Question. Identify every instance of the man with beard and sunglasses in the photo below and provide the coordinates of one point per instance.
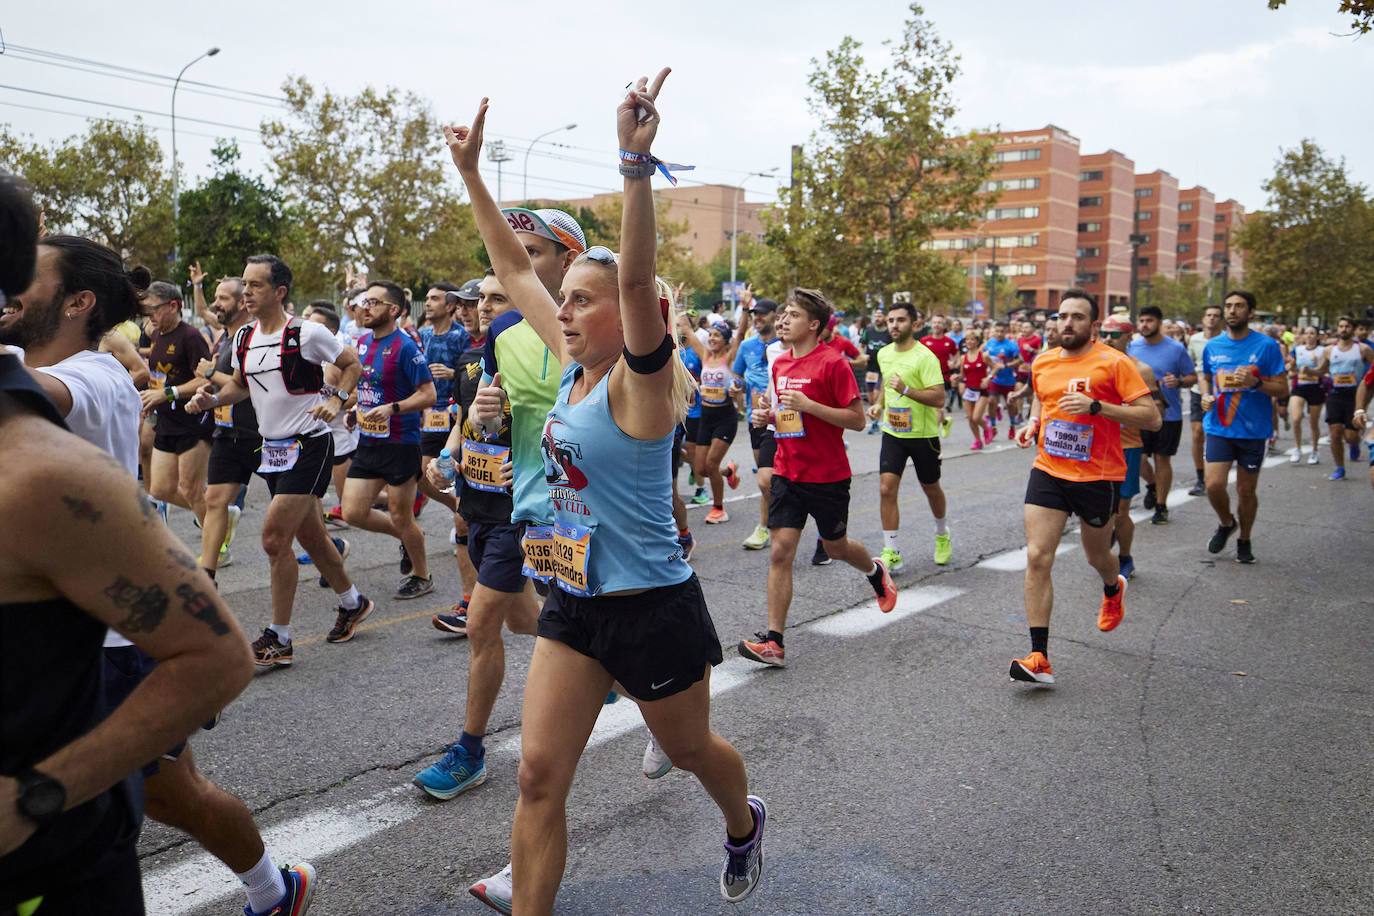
(1084, 392)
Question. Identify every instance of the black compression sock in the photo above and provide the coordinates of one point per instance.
(875, 579)
(1111, 590)
(738, 841)
(209, 572)
(1040, 640)
(775, 636)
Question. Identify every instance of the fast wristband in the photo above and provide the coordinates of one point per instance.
(667, 168)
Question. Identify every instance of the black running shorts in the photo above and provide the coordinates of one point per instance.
(656, 643)
(1093, 501)
(717, 423)
(1340, 406)
(397, 463)
(497, 556)
(233, 459)
(1162, 441)
(923, 453)
(1312, 393)
(309, 476)
(790, 502)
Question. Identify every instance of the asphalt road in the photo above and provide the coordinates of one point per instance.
(1210, 755)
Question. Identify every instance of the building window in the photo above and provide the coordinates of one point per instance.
(1090, 175)
(1089, 252)
(1221, 217)
(1143, 262)
(1145, 239)
(1087, 278)
(1144, 215)
(1184, 248)
(1185, 227)
(1016, 155)
(1014, 213)
(1144, 192)
(1018, 270)
(1185, 206)
(1219, 237)
(1090, 201)
(1012, 184)
(1090, 227)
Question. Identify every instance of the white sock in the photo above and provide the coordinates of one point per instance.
(941, 526)
(283, 632)
(890, 540)
(264, 884)
(350, 599)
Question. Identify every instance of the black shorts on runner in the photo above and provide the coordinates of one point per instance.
(497, 556)
(395, 462)
(923, 453)
(431, 444)
(1094, 501)
(233, 459)
(756, 436)
(1340, 406)
(1246, 453)
(690, 425)
(717, 423)
(178, 444)
(309, 476)
(343, 459)
(1195, 411)
(768, 449)
(1311, 392)
(679, 434)
(791, 501)
(122, 669)
(1163, 441)
(656, 643)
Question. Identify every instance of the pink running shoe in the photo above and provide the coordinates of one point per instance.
(977, 444)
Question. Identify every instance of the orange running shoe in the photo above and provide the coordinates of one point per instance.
(887, 594)
(765, 651)
(1034, 668)
(716, 516)
(1113, 608)
(732, 475)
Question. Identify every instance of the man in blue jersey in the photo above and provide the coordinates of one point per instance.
(395, 388)
(1173, 367)
(443, 339)
(1242, 372)
(1006, 355)
(751, 364)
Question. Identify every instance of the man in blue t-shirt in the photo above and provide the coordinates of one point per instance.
(1242, 372)
(1173, 367)
(1006, 354)
(751, 364)
(395, 388)
(444, 341)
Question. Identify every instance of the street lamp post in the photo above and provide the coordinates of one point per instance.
(1136, 239)
(734, 230)
(525, 186)
(496, 152)
(176, 188)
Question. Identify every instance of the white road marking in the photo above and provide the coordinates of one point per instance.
(1016, 560)
(866, 617)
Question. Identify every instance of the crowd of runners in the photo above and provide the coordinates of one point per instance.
(549, 405)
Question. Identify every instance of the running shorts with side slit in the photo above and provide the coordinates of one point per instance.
(655, 643)
(791, 501)
(309, 476)
(923, 453)
(496, 554)
(233, 459)
(1246, 453)
(178, 443)
(397, 463)
(1094, 501)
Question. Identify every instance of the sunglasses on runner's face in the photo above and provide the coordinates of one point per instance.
(1112, 334)
(602, 255)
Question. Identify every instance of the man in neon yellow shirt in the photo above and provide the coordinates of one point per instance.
(913, 391)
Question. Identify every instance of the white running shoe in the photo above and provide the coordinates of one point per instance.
(1312, 458)
(656, 763)
(235, 513)
(1295, 456)
(496, 891)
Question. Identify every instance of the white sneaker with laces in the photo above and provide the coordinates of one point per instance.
(496, 891)
(1295, 456)
(1312, 458)
(656, 763)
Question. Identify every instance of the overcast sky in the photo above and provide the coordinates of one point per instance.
(1209, 91)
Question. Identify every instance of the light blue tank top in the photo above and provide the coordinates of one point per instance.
(612, 498)
(1347, 367)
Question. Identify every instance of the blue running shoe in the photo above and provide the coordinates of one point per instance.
(457, 771)
(1338, 474)
(1127, 570)
(1354, 455)
(744, 864)
(300, 888)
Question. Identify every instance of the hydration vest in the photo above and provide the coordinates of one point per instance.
(299, 375)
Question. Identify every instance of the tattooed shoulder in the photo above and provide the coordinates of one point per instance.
(82, 508)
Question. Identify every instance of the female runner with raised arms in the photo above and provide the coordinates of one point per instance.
(627, 607)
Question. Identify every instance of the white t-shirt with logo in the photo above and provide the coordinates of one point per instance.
(281, 414)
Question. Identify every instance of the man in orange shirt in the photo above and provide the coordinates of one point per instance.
(1084, 393)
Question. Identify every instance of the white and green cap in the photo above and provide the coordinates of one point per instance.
(554, 225)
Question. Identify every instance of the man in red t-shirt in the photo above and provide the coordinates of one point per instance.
(947, 351)
(815, 399)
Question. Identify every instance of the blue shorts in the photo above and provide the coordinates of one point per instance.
(123, 668)
(1130, 487)
(496, 553)
(1246, 453)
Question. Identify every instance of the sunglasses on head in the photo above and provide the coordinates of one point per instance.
(601, 255)
(1112, 334)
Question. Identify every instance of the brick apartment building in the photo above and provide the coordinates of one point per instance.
(708, 210)
(1065, 218)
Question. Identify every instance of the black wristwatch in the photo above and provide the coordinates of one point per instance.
(1095, 408)
(41, 798)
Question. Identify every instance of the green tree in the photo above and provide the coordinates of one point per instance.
(1310, 249)
(366, 180)
(229, 217)
(108, 184)
(881, 172)
(1361, 13)
(1184, 296)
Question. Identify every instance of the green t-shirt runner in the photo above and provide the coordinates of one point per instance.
(918, 368)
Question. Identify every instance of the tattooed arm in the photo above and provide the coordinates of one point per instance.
(101, 548)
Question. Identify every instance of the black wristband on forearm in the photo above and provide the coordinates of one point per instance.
(652, 362)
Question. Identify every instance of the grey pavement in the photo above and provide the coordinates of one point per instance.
(1210, 755)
